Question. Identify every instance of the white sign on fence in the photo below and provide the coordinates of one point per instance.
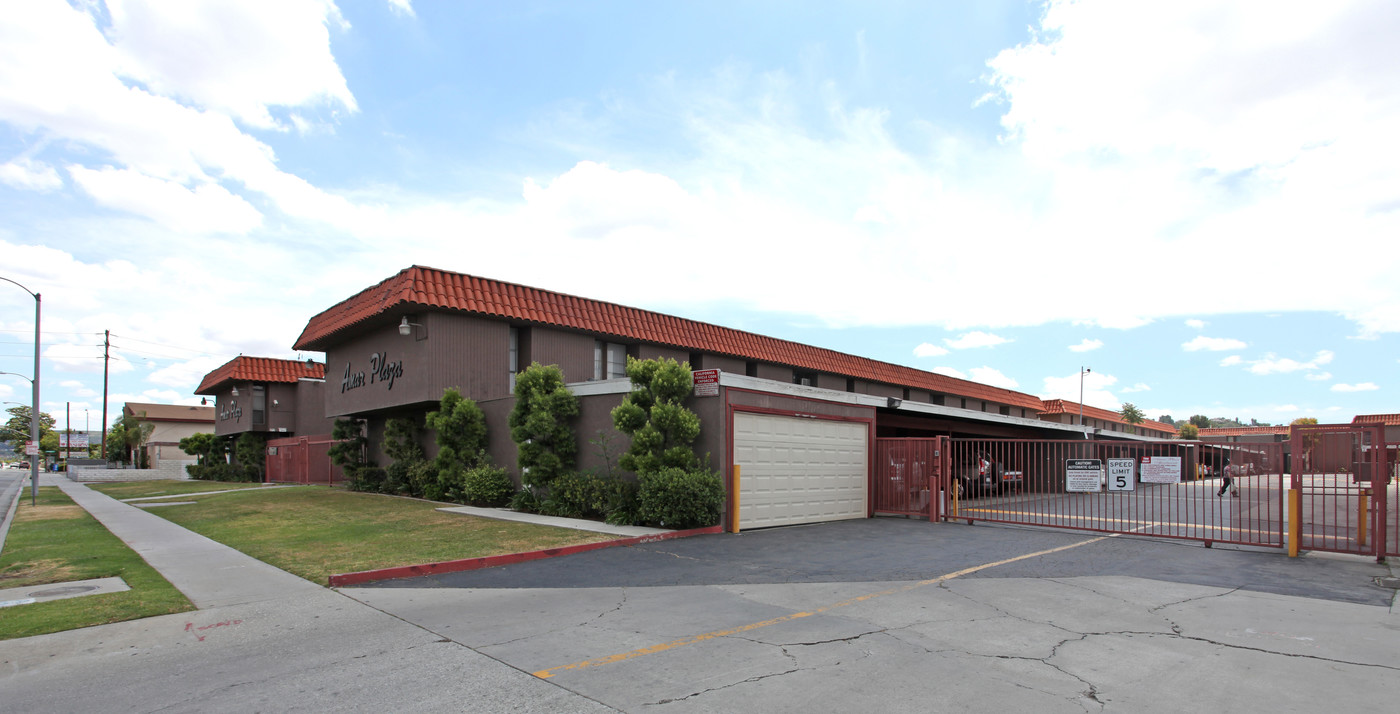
(706, 382)
(1120, 475)
(1161, 469)
(1083, 474)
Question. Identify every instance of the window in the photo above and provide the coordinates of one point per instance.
(1005, 411)
(750, 369)
(963, 402)
(259, 404)
(609, 360)
(514, 356)
(806, 379)
(850, 384)
(935, 399)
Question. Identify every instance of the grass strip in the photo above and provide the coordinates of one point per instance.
(57, 541)
(315, 532)
(172, 487)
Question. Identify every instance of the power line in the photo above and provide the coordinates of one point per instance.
(160, 344)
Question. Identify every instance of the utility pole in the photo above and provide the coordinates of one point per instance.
(106, 356)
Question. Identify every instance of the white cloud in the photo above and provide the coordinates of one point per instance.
(994, 377)
(1273, 365)
(949, 371)
(1097, 390)
(1139, 387)
(1213, 344)
(185, 375)
(1196, 324)
(1361, 387)
(1231, 360)
(402, 7)
(927, 349)
(1318, 376)
(972, 340)
(30, 175)
(206, 208)
(1086, 345)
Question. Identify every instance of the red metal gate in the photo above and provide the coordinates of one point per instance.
(909, 476)
(1345, 500)
(302, 459)
(1164, 489)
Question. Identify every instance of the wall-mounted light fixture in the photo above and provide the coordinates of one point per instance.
(406, 327)
(235, 391)
(274, 402)
(894, 402)
(203, 401)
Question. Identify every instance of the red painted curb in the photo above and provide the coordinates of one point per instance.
(491, 561)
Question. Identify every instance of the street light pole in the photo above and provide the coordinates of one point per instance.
(1082, 371)
(34, 410)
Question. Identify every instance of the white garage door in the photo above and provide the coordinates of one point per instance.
(799, 470)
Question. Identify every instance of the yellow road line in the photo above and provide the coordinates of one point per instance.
(673, 644)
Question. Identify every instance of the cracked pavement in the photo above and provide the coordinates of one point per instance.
(847, 616)
(1115, 625)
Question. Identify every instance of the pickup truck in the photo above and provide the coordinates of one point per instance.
(981, 475)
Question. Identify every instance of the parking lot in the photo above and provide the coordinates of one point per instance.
(903, 615)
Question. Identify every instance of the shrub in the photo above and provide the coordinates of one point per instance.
(679, 498)
(485, 485)
(525, 501)
(395, 481)
(424, 481)
(220, 471)
(348, 451)
(365, 478)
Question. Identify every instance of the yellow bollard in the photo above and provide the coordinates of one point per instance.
(734, 514)
(1295, 521)
(1363, 510)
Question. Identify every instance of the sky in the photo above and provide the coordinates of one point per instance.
(1197, 201)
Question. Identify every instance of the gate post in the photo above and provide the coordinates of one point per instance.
(1295, 519)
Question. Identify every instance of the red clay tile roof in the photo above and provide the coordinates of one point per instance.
(1065, 406)
(260, 369)
(169, 412)
(1386, 419)
(418, 287)
(1245, 431)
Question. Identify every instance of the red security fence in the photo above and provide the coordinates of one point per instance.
(302, 459)
(1165, 489)
(1330, 488)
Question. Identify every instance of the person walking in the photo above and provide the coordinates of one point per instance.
(1227, 482)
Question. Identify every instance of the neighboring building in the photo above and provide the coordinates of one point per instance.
(277, 397)
(1246, 434)
(1391, 422)
(170, 423)
(801, 419)
(1101, 420)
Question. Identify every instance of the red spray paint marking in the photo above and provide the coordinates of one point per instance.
(190, 627)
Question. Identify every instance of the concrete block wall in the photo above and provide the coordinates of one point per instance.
(166, 469)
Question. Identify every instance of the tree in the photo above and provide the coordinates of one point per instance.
(1189, 432)
(1132, 415)
(16, 430)
(202, 446)
(250, 450)
(1166, 419)
(654, 415)
(127, 436)
(539, 424)
(1200, 421)
(460, 429)
(348, 451)
(1304, 421)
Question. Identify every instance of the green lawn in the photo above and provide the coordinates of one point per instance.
(316, 532)
(141, 489)
(56, 541)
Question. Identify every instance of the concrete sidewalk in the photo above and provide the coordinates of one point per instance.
(262, 640)
(210, 574)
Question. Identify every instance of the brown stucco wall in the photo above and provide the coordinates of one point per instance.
(831, 381)
(571, 351)
(775, 372)
(732, 365)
